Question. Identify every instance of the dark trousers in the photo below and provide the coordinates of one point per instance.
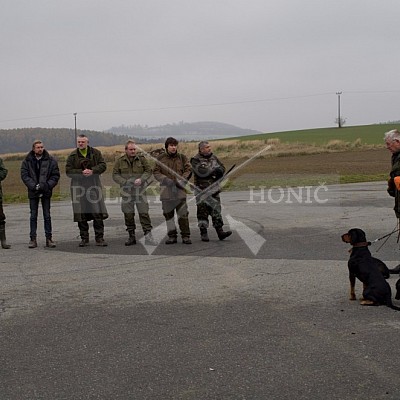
(98, 226)
(34, 207)
(2, 216)
(180, 206)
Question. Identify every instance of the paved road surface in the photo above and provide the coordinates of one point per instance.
(262, 315)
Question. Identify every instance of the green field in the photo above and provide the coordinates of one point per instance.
(369, 134)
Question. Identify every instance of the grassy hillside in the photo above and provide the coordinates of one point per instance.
(368, 134)
(308, 157)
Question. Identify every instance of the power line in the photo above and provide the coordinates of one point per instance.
(200, 105)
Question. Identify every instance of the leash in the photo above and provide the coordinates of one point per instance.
(387, 236)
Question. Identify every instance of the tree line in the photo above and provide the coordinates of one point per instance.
(21, 139)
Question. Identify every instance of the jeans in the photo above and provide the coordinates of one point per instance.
(34, 207)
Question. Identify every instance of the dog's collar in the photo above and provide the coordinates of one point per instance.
(361, 244)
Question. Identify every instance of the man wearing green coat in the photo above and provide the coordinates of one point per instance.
(84, 166)
(3, 174)
(132, 172)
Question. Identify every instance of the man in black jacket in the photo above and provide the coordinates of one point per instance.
(208, 171)
(40, 174)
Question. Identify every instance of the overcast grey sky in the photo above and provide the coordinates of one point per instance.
(270, 65)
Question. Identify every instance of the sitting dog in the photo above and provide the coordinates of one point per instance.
(362, 266)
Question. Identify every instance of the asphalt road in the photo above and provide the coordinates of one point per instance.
(262, 315)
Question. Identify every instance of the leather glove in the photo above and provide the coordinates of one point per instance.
(218, 172)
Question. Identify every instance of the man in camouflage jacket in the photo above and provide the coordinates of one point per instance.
(208, 170)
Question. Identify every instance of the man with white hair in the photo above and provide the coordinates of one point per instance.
(392, 140)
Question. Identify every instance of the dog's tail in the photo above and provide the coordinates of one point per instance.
(391, 305)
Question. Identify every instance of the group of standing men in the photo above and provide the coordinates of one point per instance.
(132, 171)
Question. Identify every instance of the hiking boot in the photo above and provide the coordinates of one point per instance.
(101, 243)
(131, 239)
(186, 240)
(32, 243)
(50, 243)
(221, 234)
(84, 242)
(149, 239)
(203, 235)
(171, 240)
(4, 244)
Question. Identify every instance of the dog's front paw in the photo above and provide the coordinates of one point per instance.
(353, 297)
(365, 302)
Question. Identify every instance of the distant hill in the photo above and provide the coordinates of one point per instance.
(183, 131)
(20, 140)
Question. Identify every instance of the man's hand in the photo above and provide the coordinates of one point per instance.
(87, 172)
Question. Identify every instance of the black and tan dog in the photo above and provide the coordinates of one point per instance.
(366, 268)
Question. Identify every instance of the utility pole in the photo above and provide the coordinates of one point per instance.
(76, 132)
(339, 117)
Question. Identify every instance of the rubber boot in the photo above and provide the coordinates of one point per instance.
(203, 235)
(4, 244)
(131, 239)
(221, 234)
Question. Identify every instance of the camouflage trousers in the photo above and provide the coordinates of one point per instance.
(209, 207)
